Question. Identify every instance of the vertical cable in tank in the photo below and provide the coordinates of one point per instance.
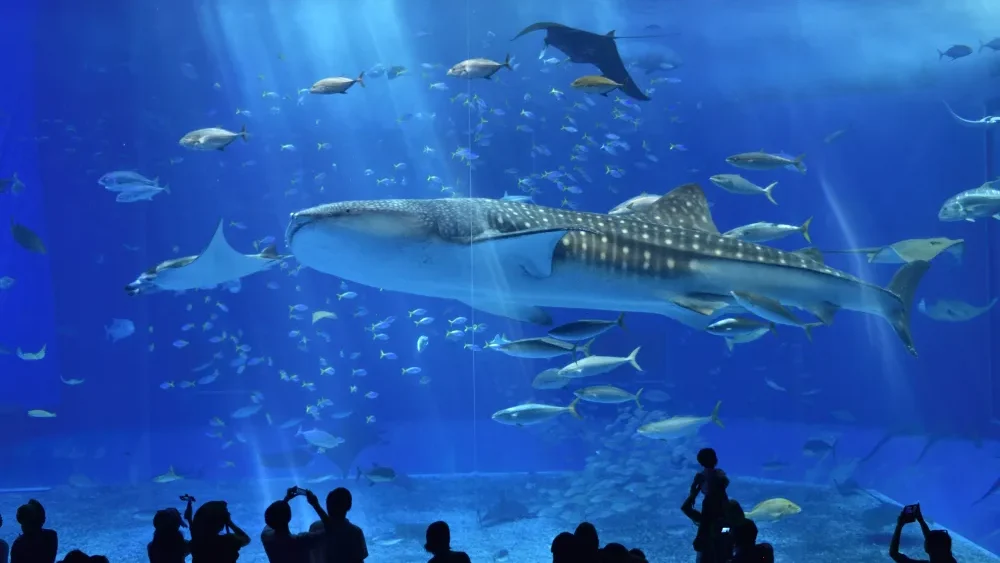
(472, 262)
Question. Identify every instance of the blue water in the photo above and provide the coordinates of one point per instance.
(90, 91)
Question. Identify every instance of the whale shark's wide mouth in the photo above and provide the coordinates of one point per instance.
(295, 223)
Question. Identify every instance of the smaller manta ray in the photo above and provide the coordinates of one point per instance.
(986, 122)
(910, 250)
(505, 511)
(216, 265)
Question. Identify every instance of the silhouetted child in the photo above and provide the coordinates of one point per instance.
(713, 483)
(168, 545)
(345, 542)
(280, 544)
(588, 543)
(4, 547)
(439, 545)
(35, 544)
(638, 556)
(710, 520)
(208, 543)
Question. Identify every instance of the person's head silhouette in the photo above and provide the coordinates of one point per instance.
(278, 516)
(937, 544)
(438, 538)
(338, 502)
(707, 458)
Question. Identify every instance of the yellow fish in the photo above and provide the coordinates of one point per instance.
(773, 509)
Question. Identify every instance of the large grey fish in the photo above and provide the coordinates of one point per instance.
(219, 263)
(211, 139)
(509, 259)
(760, 160)
(978, 203)
(336, 85)
(479, 68)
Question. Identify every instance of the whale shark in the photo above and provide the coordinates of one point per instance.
(513, 258)
(218, 264)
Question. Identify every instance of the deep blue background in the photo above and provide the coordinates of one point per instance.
(112, 72)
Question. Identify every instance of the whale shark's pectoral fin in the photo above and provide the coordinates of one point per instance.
(522, 313)
(531, 250)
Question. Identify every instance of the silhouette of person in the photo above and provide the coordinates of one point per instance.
(638, 555)
(4, 546)
(710, 519)
(937, 543)
(588, 543)
(208, 543)
(439, 545)
(98, 559)
(35, 544)
(564, 548)
(345, 542)
(169, 545)
(280, 544)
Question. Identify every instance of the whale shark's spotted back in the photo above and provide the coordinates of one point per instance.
(669, 238)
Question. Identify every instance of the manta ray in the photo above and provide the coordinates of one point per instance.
(986, 122)
(504, 511)
(512, 259)
(216, 265)
(909, 250)
(591, 48)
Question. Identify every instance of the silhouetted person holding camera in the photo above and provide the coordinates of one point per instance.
(169, 545)
(280, 544)
(35, 544)
(344, 541)
(208, 542)
(937, 543)
(710, 519)
(439, 545)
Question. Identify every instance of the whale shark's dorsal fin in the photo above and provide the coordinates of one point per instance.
(684, 207)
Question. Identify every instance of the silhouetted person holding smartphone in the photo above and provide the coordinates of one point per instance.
(937, 543)
(169, 544)
(280, 544)
(208, 542)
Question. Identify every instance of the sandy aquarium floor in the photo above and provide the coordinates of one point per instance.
(831, 528)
